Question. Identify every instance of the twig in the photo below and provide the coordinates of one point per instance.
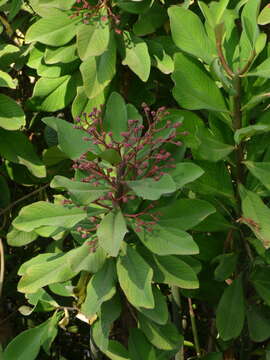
(219, 33)
(10, 206)
(194, 328)
(176, 309)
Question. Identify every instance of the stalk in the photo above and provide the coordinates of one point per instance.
(177, 319)
(194, 328)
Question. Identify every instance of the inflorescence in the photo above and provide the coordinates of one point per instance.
(138, 155)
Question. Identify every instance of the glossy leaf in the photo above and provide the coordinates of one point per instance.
(231, 311)
(135, 277)
(139, 347)
(11, 115)
(185, 173)
(111, 232)
(20, 238)
(116, 116)
(152, 189)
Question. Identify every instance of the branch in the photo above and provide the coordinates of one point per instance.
(219, 30)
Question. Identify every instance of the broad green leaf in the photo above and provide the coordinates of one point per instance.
(215, 223)
(57, 70)
(231, 311)
(194, 89)
(256, 215)
(6, 80)
(109, 312)
(43, 213)
(150, 20)
(258, 318)
(166, 240)
(93, 39)
(249, 131)
(82, 104)
(152, 189)
(115, 119)
(159, 314)
(185, 173)
(189, 34)
(56, 30)
(20, 238)
(262, 70)
(139, 347)
(249, 20)
(215, 181)
(81, 193)
(59, 268)
(23, 153)
(226, 266)
(135, 277)
(53, 155)
(97, 72)
(184, 214)
(11, 115)
(260, 281)
(160, 58)
(111, 232)
(264, 16)
(68, 136)
(137, 56)
(52, 94)
(261, 170)
(5, 193)
(177, 272)
(100, 288)
(116, 351)
(164, 337)
(27, 344)
(45, 8)
(60, 54)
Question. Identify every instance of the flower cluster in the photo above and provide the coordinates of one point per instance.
(138, 153)
(92, 13)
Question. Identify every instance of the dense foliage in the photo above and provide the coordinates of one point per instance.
(134, 179)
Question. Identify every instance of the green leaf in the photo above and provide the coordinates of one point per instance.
(247, 132)
(58, 268)
(258, 318)
(93, 39)
(189, 34)
(166, 240)
(135, 277)
(262, 70)
(100, 288)
(264, 16)
(6, 80)
(260, 280)
(137, 57)
(150, 20)
(81, 193)
(27, 344)
(256, 215)
(177, 272)
(249, 20)
(61, 54)
(184, 214)
(43, 213)
(134, 7)
(97, 72)
(139, 347)
(23, 153)
(185, 173)
(227, 266)
(159, 314)
(152, 189)
(82, 104)
(111, 232)
(194, 89)
(116, 351)
(55, 30)
(261, 170)
(109, 312)
(67, 136)
(161, 59)
(164, 337)
(116, 116)
(20, 238)
(231, 311)
(53, 156)
(52, 94)
(11, 115)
